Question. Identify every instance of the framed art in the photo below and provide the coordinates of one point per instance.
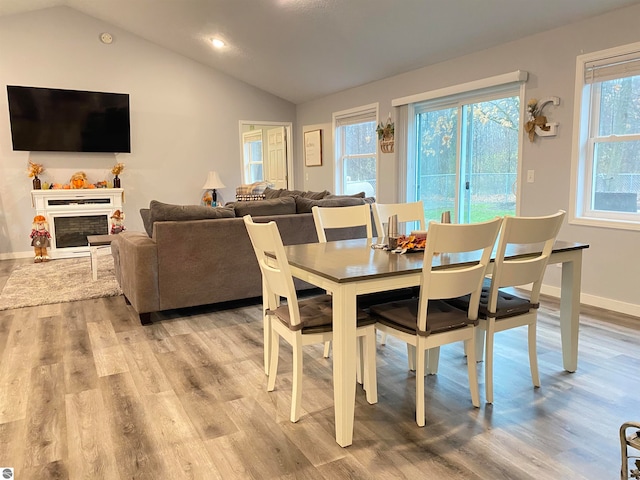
(313, 148)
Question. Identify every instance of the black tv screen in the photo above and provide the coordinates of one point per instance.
(54, 120)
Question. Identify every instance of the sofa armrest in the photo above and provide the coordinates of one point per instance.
(135, 258)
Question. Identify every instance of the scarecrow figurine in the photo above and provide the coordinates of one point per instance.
(117, 222)
(40, 238)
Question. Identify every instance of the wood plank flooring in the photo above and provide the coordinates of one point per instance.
(87, 392)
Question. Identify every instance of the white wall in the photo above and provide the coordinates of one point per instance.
(611, 268)
(184, 116)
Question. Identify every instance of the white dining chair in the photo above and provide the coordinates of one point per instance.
(300, 322)
(427, 322)
(503, 309)
(411, 212)
(325, 218)
(329, 218)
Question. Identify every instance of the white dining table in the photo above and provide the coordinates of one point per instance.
(349, 268)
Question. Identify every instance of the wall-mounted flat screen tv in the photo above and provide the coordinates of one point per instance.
(54, 120)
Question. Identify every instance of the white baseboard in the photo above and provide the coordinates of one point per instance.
(15, 255)
(595, 301)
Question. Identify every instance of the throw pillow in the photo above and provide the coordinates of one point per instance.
(271, 192)
(283, 192)
(304, 205)
(355, 195)
(267, 207)
(315, 195)
(166, 212)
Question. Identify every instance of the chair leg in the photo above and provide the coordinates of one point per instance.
(420, 367)
(383, 338)
(370, 378)
(473, 374)
(327, 347)
(360, 367)
(266, 327)
(533, 355)
(488, 359)
(433, 359)
(411, 357)
(296, 393)
(273, 362)
(480, 334)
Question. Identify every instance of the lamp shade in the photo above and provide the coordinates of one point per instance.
(213, 182)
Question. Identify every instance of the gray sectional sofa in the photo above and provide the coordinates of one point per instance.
(195, 255)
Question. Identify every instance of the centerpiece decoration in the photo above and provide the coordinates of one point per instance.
(386, 135)
(117, 170)
(33, 171)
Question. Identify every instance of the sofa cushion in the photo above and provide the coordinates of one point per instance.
(261, 208)
(145, 213)
(304, 205)
(159, 212)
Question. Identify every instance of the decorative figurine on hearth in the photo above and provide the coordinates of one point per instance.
(117, 222)
(78, 180)
(40, 238)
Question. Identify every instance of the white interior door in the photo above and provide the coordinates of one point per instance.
(276, 171)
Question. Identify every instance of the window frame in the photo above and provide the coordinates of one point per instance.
(366, 113)
(249, 137)
(586, 120)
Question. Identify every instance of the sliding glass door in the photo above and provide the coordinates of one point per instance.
(466, 157)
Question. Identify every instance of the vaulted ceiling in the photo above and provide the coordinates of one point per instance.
(305, 49)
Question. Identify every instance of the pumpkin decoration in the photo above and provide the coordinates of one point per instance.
(78, 180)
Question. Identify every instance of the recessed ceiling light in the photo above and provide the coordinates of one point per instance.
(106, 37)
(217, 42)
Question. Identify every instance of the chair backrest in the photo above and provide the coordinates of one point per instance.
(522, 231)
(407, 212)
(341, 217)
(475, 240)
(274, 266)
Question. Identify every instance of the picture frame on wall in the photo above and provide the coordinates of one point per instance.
(313, 148)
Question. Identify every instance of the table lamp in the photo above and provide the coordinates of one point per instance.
(213, 182)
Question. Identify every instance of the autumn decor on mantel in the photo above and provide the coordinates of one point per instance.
(117, 170)
(33, 171)
(386, 136)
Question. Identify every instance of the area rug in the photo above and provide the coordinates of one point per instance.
(58, 281)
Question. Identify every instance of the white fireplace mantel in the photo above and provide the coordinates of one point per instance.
(57, 205)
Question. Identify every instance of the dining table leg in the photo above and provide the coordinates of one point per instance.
(344, 361)
(570, 309)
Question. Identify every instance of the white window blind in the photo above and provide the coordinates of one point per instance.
(619, 66)
(343, 120)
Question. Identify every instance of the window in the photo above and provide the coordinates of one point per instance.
(356, 151)
(465, 154)
(606, 158)
(252, 146)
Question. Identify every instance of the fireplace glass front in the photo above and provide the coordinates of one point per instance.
(73, 231)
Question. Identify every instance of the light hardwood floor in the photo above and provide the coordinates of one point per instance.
(87, 392)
